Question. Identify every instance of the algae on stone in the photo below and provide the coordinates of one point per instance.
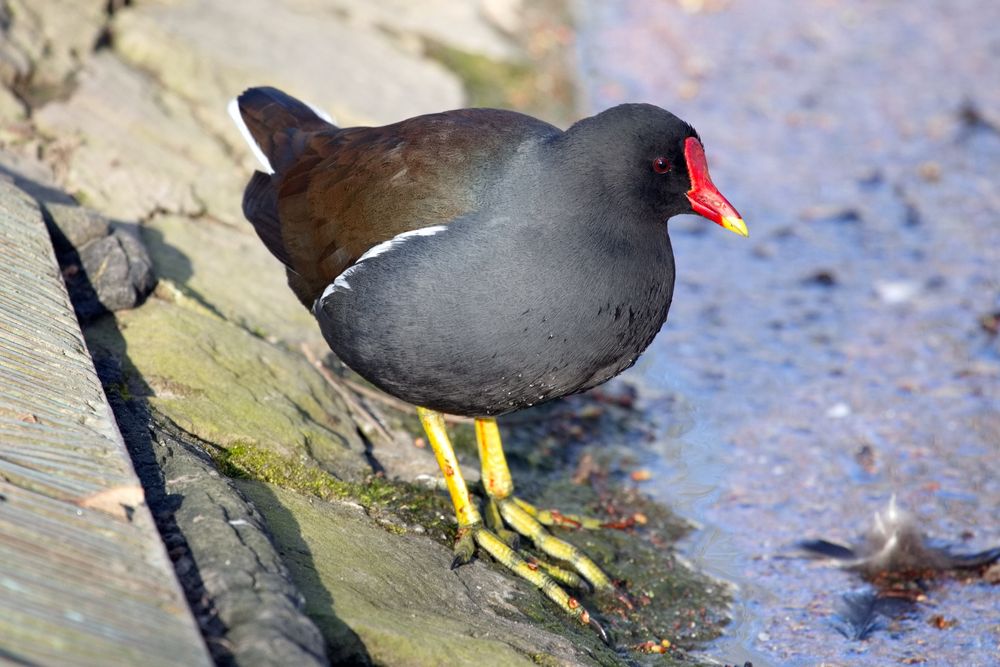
(536, 78)
(397, 506)
(395, 596)
(220, 383)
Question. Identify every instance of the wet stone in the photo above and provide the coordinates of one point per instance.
(109, 274)
(72, 226)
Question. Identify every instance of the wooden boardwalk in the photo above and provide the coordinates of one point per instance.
(84, 577)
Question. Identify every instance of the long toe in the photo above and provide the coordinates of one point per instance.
(563, 575)
(534, 573)
(553, 517)
(527, 525)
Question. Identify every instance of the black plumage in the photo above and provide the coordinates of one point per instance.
(533, 262)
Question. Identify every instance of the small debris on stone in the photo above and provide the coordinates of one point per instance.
(930, 171)
(641, 475)
(941, 623)
(865, 456)
(118, 501)
(585, 469)
(990, 323)
(653, 646)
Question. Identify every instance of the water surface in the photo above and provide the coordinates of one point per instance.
(836, 357)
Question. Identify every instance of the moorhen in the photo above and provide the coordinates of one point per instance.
(479, 261)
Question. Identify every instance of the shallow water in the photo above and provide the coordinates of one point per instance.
(837, 357)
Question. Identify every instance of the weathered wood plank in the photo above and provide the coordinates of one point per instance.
(84, 578)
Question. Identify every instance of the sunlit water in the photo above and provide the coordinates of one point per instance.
(860, 142)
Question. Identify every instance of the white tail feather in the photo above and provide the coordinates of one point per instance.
(319, 112)
(234, 111)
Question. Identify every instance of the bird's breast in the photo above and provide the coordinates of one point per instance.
(482, 324)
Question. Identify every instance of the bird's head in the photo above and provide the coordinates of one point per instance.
(652, 159)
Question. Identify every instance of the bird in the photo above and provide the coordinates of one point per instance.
(476, 262)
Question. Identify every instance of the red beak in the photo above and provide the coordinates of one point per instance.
(705, 198)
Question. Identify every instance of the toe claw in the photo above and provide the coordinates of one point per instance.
(592, 622)
(465, 548)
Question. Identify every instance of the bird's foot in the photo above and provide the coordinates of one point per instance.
(502, 513)
(545, 577)
(553, 517)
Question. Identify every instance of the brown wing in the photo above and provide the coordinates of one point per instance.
(348, 190)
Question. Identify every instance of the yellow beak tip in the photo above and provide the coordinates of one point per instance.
(736, 225)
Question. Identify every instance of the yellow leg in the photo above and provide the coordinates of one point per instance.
(499, 487)
(465, 510)
(496, 475)
(471, 528)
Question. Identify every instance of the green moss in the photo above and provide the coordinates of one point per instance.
(545, 660)
(121, 389)
(663, 599)
(540, 82)
(389, 502)
(387, 596)
(245, 460)
(219, 383)
(488, 82)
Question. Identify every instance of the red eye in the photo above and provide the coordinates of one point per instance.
(661, 165)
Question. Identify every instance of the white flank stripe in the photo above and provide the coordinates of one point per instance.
(234, 111)
(385, 246)
(341, 283)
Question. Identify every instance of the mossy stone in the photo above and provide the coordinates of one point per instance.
(392, 598)
(224, 385)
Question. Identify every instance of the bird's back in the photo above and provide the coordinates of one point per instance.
(334, 193)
